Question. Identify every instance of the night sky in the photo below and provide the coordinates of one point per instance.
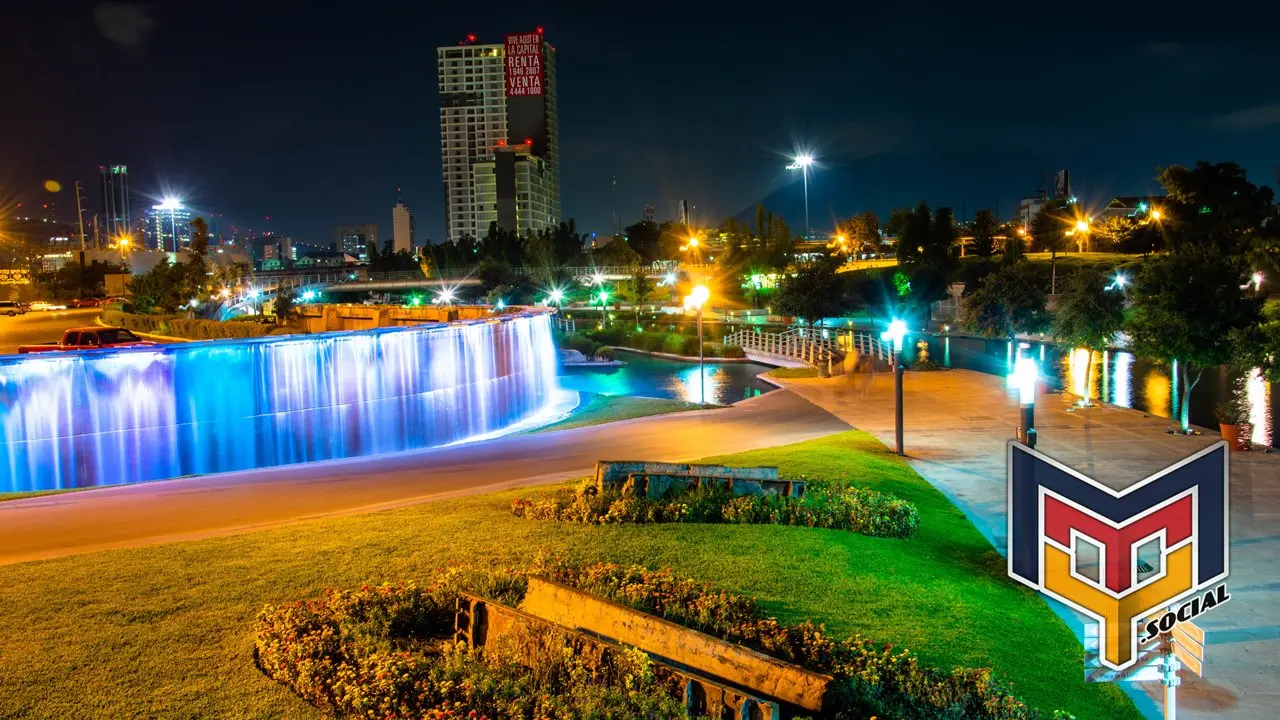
(311, 117)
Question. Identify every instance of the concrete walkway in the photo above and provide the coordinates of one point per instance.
(957, 425)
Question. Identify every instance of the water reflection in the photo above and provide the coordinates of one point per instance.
(646, 376)
(1122, 379)
(1258, 392)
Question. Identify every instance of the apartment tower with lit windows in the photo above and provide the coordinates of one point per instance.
(499, 139)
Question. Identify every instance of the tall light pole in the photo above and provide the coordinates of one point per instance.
(897, 330)
(802, 163)
(696, 299)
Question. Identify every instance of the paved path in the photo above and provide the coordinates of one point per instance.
(40, 327)
(56, 525)
(957, 425)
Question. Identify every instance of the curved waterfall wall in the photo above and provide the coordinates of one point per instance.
(109, 417)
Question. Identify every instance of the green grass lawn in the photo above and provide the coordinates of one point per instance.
(166, 631)
(597, 409)
(36, 493)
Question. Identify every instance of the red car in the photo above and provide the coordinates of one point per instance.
(88, 338)
(86, 303)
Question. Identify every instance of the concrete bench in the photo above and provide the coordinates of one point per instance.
(677, 645)
(479, 621)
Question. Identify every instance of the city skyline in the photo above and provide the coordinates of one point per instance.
(887, 128)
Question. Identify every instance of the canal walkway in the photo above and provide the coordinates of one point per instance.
(957, 424)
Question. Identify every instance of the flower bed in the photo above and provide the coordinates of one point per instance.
(831, 506)
(383, 652)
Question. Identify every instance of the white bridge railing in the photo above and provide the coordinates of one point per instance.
(810, 345)
(564, 324)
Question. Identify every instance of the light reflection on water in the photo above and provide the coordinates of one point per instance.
(1121, 379)
(645, 376)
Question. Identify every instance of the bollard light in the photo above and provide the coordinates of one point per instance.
(896, 331)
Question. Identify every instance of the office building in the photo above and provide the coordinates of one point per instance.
(168, 226)
(354, 240)
(272, 252)
(115, 215)
(499, 137)
(401, 225)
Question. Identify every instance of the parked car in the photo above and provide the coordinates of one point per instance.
(12, 307)
(88, 338)
(86, 303)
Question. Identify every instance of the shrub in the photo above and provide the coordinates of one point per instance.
(179, 326)
(384, 652)
(856, 509)
(381, 652)
(869, 680)
(606, 353)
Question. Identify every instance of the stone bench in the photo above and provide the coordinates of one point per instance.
(674, 644)
(478, 622)
(655, 480)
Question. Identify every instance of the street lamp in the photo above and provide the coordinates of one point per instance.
(1118, 283)
(897, 330)
(802, 163)
(696, 299)
(555, 297)
(1025, 376)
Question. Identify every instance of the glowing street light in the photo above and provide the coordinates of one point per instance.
(1155, 215)
(597, 279)
(1026, 375)
(696, 299)
(896, 331)
(555, 297)
(446, 297)
(1118, 283)
(802, 163)
(1257, 279)
(1082, 226)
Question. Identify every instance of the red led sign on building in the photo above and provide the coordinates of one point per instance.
(524, 64)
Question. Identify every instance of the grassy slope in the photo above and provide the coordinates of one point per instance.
(166, 631)
(599, 409)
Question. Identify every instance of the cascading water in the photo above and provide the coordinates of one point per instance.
(121, 416)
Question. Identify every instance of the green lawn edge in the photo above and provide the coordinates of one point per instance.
(166, 631)
(598, 409)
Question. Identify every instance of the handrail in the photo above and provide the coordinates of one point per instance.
(808, 345)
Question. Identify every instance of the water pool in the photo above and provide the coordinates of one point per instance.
(648, 376)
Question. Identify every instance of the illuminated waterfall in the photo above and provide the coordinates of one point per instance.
(120, 416)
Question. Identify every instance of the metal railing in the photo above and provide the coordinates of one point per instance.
(564, 324)
(810, 345)
(787, 344)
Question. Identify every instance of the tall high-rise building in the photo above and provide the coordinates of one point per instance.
(115, 200)
(354, 240)
(401, 225)
(499, 137)
(168, 226)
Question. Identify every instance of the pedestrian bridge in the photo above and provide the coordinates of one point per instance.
(808, 347)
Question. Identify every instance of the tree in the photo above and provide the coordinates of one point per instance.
(861, 233)
(985, 228)
(540, 255)
(617, 253)
(1188, 309)
(74, 280)
(645, 238)
(1050, 226)
(813, 293)
(1008, 302)
(940, 248)
(637, 289)
(914, 235)
(1089, 314)
(1215, 206)
(284, 305)
(199, 237)
(898, 220)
